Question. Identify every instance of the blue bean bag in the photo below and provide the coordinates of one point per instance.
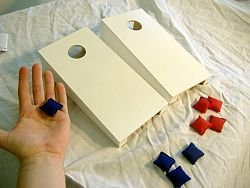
(164, 162)
(192, 153)
(51, 107)
(178, 177)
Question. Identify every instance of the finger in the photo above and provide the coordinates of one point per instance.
(49, 85)
(37, 84)
(23, 90)
(3, 138)
(62, 97)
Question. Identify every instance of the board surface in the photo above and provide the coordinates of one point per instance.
(103, 85)
(152, 53)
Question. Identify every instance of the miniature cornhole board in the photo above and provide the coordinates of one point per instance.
(109, 91)
(156, 56)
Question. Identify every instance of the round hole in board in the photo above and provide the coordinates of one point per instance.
(77, 51)
(134, 25)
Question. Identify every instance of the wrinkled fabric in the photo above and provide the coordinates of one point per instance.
(215, 32)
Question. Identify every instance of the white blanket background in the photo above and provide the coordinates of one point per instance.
(216, 32)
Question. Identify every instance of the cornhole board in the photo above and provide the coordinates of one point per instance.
(156, 56)
(109, 91)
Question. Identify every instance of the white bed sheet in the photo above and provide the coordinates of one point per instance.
(216, 32)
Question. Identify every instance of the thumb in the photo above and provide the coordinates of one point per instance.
(3, 138)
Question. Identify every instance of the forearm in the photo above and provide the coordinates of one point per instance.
(42, 171)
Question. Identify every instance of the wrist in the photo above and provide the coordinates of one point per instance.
(41, 170)
(42, 158)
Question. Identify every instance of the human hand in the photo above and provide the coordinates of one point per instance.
(36, 133)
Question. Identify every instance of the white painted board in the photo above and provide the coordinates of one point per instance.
(109, 91)
(152, 53)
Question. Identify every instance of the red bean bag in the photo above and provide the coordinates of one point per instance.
(217, 123)
(201, 105)
(200, 125)
(214, 104)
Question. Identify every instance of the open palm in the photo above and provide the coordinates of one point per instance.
(35, 132)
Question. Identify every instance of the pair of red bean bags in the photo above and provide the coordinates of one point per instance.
(208, 103)
(214, 123)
